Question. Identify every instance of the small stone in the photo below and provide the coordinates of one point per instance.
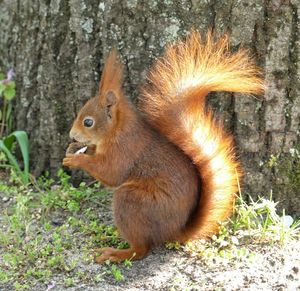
(290, 277)
(235, 240)
(224, 243)
(287, 221)
(5, 199)
(55, 187)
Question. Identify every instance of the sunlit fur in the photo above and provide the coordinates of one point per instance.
(174, 103)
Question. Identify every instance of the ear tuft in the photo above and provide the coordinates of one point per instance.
(112, 75)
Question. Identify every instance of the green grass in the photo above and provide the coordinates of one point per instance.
(50, 229)
(254, 223)
(7, 145)
(261, 221)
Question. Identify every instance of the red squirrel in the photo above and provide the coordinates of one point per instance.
(173, 166)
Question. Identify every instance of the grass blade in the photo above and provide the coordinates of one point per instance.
(10, 156)
(22, 138)
(6, 146)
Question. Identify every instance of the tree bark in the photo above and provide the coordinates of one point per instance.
(57, 49)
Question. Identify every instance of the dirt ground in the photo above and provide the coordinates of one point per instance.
(273, 268)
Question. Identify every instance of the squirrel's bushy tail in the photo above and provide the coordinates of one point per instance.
(174, 102)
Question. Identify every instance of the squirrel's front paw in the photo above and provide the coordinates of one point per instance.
(72, 160)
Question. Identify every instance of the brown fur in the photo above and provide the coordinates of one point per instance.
(173, 188)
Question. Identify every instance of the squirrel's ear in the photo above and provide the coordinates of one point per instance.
(110, 102)
(112, 75)
(110, 98)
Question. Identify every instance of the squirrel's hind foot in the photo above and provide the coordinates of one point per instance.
(116, 255)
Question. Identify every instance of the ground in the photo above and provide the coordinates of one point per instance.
(274, 269)
(47, 236)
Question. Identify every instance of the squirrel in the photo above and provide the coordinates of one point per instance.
(173, 165)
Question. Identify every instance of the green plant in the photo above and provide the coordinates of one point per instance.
(6, 145)
(69, 282)
(261, 220)
(257, 222)
(7, 139)
(116, 272)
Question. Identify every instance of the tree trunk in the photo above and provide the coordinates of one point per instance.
(57, 49)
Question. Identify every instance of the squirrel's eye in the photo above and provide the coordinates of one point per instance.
(88, 122)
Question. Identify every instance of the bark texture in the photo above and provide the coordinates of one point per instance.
(57, 49)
